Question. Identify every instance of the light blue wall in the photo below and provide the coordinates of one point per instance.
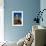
(29, 8)
(43, 6)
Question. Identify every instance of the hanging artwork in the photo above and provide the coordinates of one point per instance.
(17, 18)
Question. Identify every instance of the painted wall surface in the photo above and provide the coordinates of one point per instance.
(29, 8)
(43, 6)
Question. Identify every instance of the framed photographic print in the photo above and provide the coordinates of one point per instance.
(17, 18)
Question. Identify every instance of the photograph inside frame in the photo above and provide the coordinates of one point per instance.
(17, 18)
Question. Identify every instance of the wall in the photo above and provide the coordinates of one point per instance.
(43, 6)
(29, 8)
